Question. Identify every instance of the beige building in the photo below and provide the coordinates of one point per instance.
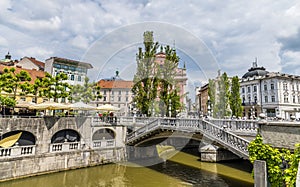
(116, 92)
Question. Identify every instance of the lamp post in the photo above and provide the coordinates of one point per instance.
(170, 107)
(209, 106)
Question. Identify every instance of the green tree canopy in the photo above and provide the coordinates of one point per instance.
(86, 92)
(235, 98)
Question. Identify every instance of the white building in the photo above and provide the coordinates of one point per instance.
(272, 93)
(76, 71)
(30, 63)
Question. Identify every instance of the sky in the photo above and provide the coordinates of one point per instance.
(208, 34)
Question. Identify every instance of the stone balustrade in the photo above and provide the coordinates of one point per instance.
(229, 140)
(104, 143)
(17, 151)
(64, 147)
(236, 124)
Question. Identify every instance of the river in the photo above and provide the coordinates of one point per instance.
(181, 170)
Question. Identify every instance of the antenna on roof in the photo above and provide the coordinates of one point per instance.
(174, 46)
(255, 63)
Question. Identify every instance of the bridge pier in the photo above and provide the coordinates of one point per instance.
(213, 153)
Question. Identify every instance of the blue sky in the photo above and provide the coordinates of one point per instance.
(233, 32)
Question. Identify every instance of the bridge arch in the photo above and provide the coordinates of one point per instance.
(104, 134)
(26, 138)
(66, 135)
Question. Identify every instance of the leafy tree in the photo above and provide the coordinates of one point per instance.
(167, 72)
(145, 80)
(37, 89)
(235, 99)
(278, 175)
(220, 100)
(212, 95)
(86, 93)
(12, 82)
(56, 87)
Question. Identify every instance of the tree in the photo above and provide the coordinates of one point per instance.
(220, 100)
(86, 93)
(55, 87)
(37, 89)
(235, 99)
(145, 80)
(224, 94)
(211, 103)
(12, 82)
(168, 92)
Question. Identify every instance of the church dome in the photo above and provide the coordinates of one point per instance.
(255, 71)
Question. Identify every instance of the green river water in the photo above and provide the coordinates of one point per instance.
(181, 170)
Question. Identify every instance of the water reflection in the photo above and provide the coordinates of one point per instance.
(170, 173)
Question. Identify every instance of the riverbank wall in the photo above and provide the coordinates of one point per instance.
(52, 144)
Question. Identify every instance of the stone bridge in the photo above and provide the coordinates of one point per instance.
(232, 135)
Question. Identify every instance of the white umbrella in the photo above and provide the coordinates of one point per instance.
(49, 105)
(81, 106)
(108, 107)
(24, 104)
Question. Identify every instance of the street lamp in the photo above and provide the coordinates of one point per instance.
(170, 108)
(209, 106)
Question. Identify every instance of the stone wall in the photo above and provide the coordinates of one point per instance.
(280, 134)
(43, 159)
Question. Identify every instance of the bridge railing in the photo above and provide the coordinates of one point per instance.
(235, 143)
(236, 124)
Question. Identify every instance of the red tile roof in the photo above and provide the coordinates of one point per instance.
(115, 84)
(40, 64)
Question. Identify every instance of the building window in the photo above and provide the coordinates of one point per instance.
(120, 92)
(127, 92)
(23, 99)
(255, 99)
(112, 98)
(104, 92)
(119, 98)
(72, 77)
(265, 87)
(266, 99)
(112, 92)
(273, 98)
(254, 89)
(126, 99)
(119, 105)
(294, 99)
(299, 99)
(293, 87)
(249, 99)
(63, 100)
(284, 86)
(286, 99)
(248, 88)
(243, 90)
(272, 86)
(104, 98)
(79, 78)
(243, 99)
(33, 100)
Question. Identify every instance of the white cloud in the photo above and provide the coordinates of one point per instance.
(235, 31)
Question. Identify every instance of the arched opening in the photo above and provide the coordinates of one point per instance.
(104, 134)
(26, 138)
(66, 135)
